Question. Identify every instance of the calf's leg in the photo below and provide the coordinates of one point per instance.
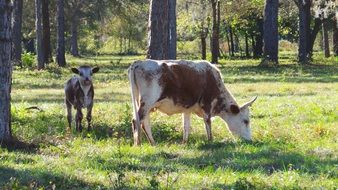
(69, 113)
(79, 117)
(89, 117)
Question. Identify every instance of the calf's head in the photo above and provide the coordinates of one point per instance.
(85, 74)
(238, 119)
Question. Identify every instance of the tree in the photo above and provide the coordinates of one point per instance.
(60, 45)
(335, 35)
(39, 34)
(326, 39)
(307, 34)
(270, 33)
(158, 30)
(215, 4)
(16, 32)
(172, 38)
(5, 70)
(46, 32)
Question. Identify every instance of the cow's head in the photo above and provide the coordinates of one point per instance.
(85, 73)
(238, 119)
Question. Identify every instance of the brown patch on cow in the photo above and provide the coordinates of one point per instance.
(187, 86)
(220, 106)
(234, 109)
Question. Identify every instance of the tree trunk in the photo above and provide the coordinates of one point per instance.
(258, 47)
(172, 35)
(247, 54)
(46, 32)
(270, 34)
(203, 37)
(39, 35)
(215, 32)
(335, 36)
(158, 29)
(74, 50)
(313, 34)
(5, 70)
(232, 45)
(304, 31)
(326, 40)
(60, 45)
(16, 32)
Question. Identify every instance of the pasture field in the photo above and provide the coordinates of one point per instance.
(294, 123)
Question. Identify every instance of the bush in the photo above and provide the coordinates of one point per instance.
(27, 59)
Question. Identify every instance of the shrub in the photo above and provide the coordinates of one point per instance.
(27, 59)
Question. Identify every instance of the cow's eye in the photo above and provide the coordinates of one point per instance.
(81, 74)
(246, 121)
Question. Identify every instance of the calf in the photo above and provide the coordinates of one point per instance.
(183, 87)
(79, 92)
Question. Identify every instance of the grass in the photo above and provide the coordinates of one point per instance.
(294, 125)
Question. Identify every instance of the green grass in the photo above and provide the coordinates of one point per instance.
(294, 123)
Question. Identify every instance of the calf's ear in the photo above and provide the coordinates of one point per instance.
(75, 70)
(95, 69)
(234, 109)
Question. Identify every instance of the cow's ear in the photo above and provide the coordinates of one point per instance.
(95, 69)
(234, 109)
(75, 70)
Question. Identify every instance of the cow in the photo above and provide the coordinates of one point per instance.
(79, 92)
(178, 86)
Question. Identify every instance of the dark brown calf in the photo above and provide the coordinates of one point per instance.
(79, 91)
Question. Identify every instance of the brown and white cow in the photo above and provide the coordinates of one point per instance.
(173, 86)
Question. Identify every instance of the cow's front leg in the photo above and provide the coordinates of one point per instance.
(89, 116)
(79, 117)
(186, 126)
(207, 122)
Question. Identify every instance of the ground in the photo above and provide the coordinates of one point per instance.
(294, 123)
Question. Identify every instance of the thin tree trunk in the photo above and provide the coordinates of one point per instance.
(46, 32)
(172, 35)
(16, 32)
(335, 36)
(74, 49)
(39, 35)
(326, 40)
(158, 29)
(270, 34)
(215, 32)
(232, 45)
(60, 46)
(203, 37)
(247, 54)
(5, 70)
(313, 34)
(228, 42)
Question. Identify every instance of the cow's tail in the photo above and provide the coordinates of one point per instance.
(134, 98)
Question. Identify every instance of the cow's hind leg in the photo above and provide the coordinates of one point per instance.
(207, 122)
(143, 114)
(186, 126)
(147, 129)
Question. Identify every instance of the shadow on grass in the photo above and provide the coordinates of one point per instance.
(39, 179)
(282, 73)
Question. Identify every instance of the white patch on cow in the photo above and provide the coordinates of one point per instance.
(86, 99)
(168, 107)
